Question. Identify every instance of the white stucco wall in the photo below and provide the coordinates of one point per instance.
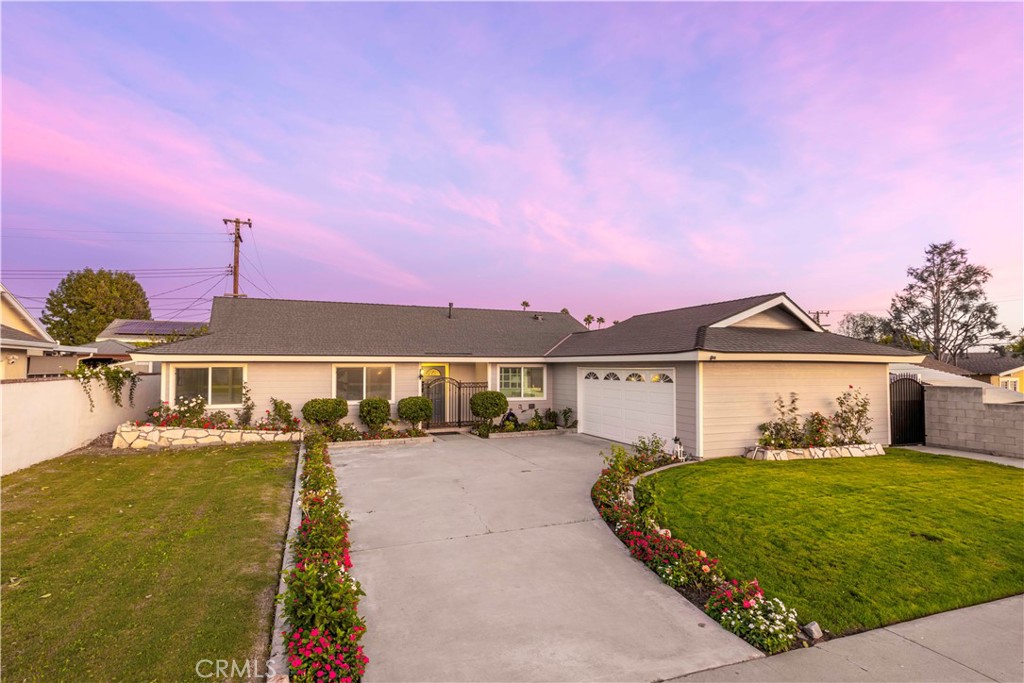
(42, 419)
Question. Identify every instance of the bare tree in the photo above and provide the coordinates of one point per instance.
(944, 305)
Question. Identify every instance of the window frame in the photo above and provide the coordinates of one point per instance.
(173, 381)
(521, 367)
(364, 366)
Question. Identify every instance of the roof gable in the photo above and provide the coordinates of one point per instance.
(770, 323)
(11, 306)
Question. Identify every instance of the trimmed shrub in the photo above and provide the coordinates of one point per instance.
(488, 405)
(324, 411)
(415, 409)
(375, 413)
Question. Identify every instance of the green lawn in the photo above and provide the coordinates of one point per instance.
(134, 567)
(857, 543)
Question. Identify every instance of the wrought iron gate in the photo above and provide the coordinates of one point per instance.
(451, 401)
(906, 405)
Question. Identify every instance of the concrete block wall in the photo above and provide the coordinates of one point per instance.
(957, 417)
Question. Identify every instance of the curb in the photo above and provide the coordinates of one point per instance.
(371, 443)
(277, 662)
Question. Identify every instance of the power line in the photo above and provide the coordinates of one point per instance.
(259, 258)
(257, 270)
(197, 300)
(109, 232)
(268, 295)
(178, 289)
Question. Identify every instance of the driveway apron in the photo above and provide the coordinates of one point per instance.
(484, 560)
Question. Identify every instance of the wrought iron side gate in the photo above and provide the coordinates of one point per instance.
(906, 404)
(451, 401)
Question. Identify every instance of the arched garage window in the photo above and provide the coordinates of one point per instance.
(591, 375)
(612, 376)
(634, 377)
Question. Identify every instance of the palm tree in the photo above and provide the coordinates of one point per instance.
(525, 305)
(588, 320)
(600, 321)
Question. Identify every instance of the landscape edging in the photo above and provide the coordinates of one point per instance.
(277, 664)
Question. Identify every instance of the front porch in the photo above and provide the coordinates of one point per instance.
(449, 386)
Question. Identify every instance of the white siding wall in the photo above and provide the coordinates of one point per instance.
(686, 405)
(299, 382)
(738, 397)
(562, 384)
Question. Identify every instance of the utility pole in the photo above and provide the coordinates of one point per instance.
(238, 223)
(817, 316)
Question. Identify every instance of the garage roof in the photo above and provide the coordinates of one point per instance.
(701, 327)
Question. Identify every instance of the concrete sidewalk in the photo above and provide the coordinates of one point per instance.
(980, 643)
(998, 459)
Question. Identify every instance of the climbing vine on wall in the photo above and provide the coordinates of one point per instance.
(110, 377)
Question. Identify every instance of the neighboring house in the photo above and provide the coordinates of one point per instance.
(26, 348)
(1002, 371)
(931, 377)
(707, 374)
(147, 331)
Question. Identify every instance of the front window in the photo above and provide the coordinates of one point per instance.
(357, 383)
(521, 382)
(219, 386)
(1010, 384)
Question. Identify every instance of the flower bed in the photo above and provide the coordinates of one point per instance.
(740, 607)
(852, 451)
(139, 436)
(321, 599)
(346, 432)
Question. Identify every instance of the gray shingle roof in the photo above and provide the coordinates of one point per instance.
(13, 334)
(688, 329)
(112, 347)
(138, 328)
(990, 363)
(661, 332)
(272, 327)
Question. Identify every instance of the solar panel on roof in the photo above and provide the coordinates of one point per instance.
(157, 327)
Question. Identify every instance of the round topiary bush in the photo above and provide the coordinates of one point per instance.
(488, 405)
(375, 413)
(324, 411)
(415, 409)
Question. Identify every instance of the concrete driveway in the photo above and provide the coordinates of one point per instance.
(484, 560)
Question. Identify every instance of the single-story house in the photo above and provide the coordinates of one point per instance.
(26, 348)
(706, 374)
(1001, 370)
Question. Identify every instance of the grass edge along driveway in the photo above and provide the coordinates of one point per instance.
(856, 543)
(137, 566)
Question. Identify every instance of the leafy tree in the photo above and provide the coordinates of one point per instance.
(1014, 347)
(864, 326)
(588, 320)
(944, 305)
(525, 305)
(600, 321)
(88, 300)
(564, 310)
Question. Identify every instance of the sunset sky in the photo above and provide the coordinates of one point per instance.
(609, 158)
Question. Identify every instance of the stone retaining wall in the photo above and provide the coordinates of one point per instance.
(146, 436)
(958, 417)
(759, 453)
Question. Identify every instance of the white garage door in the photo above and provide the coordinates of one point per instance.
(623, 403)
